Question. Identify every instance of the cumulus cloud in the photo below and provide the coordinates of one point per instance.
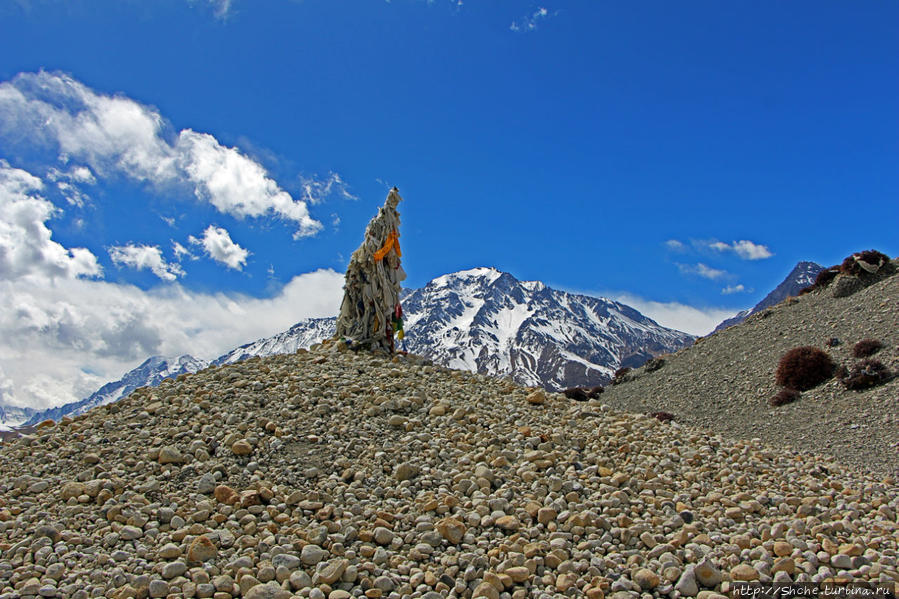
(59, 343)
(689, 319)
(745, 249)
(26, 244)
(702, 270)
(731, 289)
(146, 257)
(529, 22)
(217, 244)
(115, 135)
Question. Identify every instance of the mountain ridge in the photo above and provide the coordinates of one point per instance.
(482, 320)
(802, 275)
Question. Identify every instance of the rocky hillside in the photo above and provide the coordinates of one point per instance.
(724, 382)
(334, 474)
(802, 275)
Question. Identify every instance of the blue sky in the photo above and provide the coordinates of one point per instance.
(186, 176)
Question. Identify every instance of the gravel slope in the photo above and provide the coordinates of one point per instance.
(333, 474)
(723, 382)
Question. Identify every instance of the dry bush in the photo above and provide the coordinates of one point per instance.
(622, 375)
(866, 374)
(851, 266)
(826, 277)
(803, 368)
(662, 416)
(576, 393)
(654, 364)
(866, 348)
(784, 396)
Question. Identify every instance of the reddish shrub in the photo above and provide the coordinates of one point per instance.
(662, 416)
(621, 376)
(803, 368)
(825, 277)
(865, 374)
(595, 391)
(866, 348)
(576, 393)
(654, 364)
(784, 396)
(851, 266)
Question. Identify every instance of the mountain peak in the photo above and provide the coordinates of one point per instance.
(802, 275)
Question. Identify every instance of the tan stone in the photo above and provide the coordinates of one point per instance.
(451, 529)
(537, 398)
(242, 447)
(202, 550)
(744, 572)
(508, 523)
(225, 494)
(782, 548)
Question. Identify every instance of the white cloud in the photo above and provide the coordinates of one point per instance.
(316, 190)
(529, 22)
(117, 135)
(181, 252)
(675, 245)
(143, 257)
(235, 184)
(218, 245)
(51, 336)
(731, 289)
(702, 270)
(26, 244)
(689, 319)
(745, 249)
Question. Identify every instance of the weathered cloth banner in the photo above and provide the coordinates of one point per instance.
(371, 292)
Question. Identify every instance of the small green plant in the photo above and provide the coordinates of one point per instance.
(784, 396)
(803, 368)
(866, 348)
(866, 374)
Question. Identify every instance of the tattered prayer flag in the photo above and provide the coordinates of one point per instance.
(371, 292)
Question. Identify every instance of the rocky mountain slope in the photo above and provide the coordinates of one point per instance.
(150, 373)
(304, 334)
(802, 275)
(335, 474)
(724, 382)
(487, 321)
(481, 320)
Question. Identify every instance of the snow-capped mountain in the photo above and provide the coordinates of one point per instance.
(11, 416)
(487, 321)
(802, 275)
(303, 334)
(481, 320)
(149, 374)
